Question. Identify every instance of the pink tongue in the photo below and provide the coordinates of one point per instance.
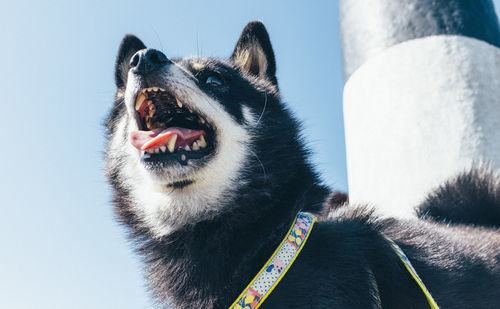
(144, 140)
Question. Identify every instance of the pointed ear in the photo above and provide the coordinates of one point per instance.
(128, 47)
(253, 52)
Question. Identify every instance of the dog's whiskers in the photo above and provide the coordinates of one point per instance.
(260, 162)
(263, 109)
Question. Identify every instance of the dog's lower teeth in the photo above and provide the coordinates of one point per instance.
(163, 148)
(201, 142)
(195, 146)
(187, 148)
(171, 143)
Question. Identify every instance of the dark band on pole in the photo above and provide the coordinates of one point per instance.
(368, 27)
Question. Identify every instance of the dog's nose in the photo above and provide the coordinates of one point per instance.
(147, 60)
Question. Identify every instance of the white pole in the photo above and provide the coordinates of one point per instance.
(421, 103)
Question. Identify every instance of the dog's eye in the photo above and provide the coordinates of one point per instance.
(213, 81)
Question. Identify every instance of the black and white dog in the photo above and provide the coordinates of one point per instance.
(209, 169)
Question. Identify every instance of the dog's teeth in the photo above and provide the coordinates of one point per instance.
(150, 151)
(151, 112)
(138, 102)
(195, 146)
(187, 148)
(201, 142)
(171, 143)
(202, 121)
(178, 102)
(163, 148)
(157, 150)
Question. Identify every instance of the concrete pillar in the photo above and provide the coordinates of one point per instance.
(421, 96)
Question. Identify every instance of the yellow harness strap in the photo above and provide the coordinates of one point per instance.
(275, 268)
(411, 270)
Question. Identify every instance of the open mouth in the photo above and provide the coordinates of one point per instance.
(169, 130)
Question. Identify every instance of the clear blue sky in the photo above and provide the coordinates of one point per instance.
(59, 244)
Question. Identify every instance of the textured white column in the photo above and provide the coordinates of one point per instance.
(418, 113)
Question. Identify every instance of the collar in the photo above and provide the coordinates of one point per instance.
(278, 264)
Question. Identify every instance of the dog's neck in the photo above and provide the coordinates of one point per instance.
(195, 265)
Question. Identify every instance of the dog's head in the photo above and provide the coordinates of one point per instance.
(183, 133)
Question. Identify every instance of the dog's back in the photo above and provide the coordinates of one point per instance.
(349, 257)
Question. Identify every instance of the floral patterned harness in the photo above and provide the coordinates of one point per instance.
(283, 257)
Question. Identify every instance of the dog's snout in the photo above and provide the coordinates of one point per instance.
(148, 60)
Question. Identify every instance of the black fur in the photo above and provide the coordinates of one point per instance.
(471, 198)
(346, 263)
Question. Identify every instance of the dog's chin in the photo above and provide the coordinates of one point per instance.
(172, 176)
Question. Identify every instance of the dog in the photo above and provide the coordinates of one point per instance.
(209, 168)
